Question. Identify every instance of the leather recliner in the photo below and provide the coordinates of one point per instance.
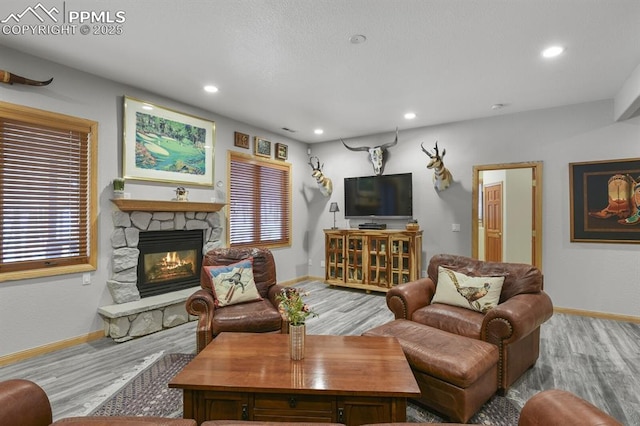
(251, 317)
(513, 325)
(24, 403)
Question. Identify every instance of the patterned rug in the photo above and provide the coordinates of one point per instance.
(147, 394)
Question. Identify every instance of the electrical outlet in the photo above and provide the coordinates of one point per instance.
(424, 274)
(322, 263)
(455, 227)
(310, 262)
(86, 278)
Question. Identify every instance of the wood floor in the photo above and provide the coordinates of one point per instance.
(597, 359)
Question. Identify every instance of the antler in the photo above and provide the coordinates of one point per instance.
(390, 144)
(444, 151)
(8, 78)
(427, 151)
(317, 167)
(360, 148)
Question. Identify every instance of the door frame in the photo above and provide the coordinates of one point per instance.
(536, 194)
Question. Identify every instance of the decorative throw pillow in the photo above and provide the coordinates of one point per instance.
(233, 283)
(476, 293)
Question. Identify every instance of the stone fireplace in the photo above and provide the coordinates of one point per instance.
(162, 233)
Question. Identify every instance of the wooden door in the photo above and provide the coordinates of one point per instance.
(493, 222)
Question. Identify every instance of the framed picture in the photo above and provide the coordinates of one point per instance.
(163, 145)
(262, 147)
(241, 140)
(282, 151)
(605, 201)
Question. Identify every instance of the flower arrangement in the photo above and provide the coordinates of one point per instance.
(292, 307)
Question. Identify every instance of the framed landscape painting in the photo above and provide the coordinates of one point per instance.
(163, 145)
(605, 201)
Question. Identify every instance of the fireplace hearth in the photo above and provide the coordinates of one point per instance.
(169, 261)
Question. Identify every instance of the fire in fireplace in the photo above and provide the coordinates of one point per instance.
(169, 261)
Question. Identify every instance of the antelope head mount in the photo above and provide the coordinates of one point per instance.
(441, 175)
(324, 183)
(8, 78)
(376, 154)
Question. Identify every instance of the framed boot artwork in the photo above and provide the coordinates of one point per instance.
(605, 201)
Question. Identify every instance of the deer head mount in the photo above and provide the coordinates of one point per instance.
(441, 175)
(376, 154)
(324, 183)
(8, 78)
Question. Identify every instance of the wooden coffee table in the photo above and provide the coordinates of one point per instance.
(342, 379)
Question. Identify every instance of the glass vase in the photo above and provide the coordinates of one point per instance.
(296, 341)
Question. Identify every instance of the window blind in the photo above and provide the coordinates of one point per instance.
(260, 202)
(44, 195)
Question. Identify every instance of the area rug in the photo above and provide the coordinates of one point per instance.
(147, 394)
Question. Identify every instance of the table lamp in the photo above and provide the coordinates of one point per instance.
(333, 208)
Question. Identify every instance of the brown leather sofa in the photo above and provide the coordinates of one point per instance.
(513, 325)
(555, 407)
(24, 403)
(251, 317)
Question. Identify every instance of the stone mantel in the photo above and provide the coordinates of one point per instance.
(129, 205)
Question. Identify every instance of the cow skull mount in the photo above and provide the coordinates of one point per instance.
(8, 78)
(441, 175)
(376, 154)
(324, 183)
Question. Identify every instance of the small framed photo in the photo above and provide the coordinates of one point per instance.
(261, 147)
(241, 140)
(282, 151)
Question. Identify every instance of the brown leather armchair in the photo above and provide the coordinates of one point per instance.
(513, 325)
(24, 403)
(252, 317)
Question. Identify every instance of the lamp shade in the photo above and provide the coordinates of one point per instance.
(334, 208)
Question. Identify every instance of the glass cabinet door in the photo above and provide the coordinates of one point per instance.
(355, 245)
(400, 260)
(378, 261)
(335, 257)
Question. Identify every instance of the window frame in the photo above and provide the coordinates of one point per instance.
(64, 122)
(268, 163)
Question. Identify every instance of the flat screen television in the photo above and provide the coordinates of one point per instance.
(382, 196)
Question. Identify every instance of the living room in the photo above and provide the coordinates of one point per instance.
(591, 279)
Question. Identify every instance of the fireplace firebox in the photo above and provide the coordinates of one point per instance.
(169, 261)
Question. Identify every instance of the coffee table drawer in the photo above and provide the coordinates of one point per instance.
(294, 402)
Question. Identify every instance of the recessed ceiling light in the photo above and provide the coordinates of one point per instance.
(410, 115)
(357, 39)
(318, 131)
(497, 106)
(552, 52)
(210, 89)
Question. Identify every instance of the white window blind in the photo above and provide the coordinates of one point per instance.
(45, 192)
(260, 202)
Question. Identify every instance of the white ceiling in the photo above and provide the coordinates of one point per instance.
(289, 63)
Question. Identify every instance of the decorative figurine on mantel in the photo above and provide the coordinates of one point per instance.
(182, 194)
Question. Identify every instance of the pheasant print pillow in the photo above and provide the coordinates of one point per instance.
(476, 293)
(233, 283)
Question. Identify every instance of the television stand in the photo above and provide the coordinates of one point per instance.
(372, 260)
(372, 225)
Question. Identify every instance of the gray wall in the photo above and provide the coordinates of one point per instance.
(594, 277)
(41, 311)
(585, 276)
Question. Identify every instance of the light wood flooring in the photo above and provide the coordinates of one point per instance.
(597, 359)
